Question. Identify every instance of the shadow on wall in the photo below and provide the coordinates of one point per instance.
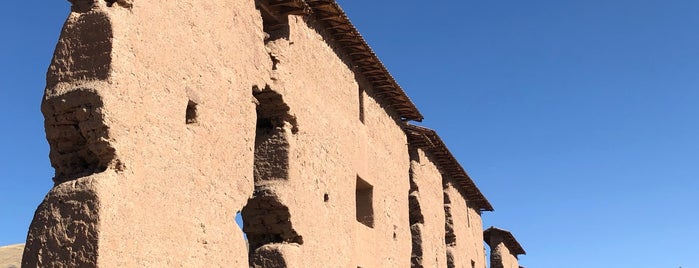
(266, 219)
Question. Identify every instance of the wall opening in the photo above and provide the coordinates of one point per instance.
(191, 113)
(274, 126)
(266, 219)
(275, 23)
(365, 202)
(361, 105)
(240, 223)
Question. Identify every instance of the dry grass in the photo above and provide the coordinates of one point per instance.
(11, 256)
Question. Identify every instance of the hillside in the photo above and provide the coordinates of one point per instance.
(11, 256)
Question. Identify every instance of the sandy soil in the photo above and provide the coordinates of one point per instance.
(11, 256)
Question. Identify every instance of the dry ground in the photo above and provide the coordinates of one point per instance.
(11, 256)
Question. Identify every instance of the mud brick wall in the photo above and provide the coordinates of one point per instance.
(167, 118)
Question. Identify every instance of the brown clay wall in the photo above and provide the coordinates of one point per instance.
(330, 153)
(476, 245)
(500, 257)
(138, 183)
(427, 212)
(465, 248)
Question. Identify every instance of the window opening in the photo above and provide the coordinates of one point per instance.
(191, 114)
(364, 203)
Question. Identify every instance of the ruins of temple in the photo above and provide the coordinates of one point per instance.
(165, 119)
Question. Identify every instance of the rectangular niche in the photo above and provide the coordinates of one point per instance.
(365, 202)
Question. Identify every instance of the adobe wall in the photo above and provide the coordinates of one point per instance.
(501, 257)
(165, 119)
(464, 235)
(426, 212)
(141, 179)
(329, 148)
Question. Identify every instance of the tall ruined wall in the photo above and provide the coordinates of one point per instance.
(337, 163)
(167, 118)
(464, 227)
(151, 121)
(501, 257)
(504, 248)
(427, 217)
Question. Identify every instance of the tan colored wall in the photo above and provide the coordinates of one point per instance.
(467, 227)
(140, 185)
(427, 197)
(331, 148)
(476, 244)
(501, 257)
(143, 188)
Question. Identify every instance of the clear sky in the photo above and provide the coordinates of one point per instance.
(577, 119)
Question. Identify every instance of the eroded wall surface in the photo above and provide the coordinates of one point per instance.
(464, 236)
(151, 121)
(427, 217)
(500, 255)
(167, 118)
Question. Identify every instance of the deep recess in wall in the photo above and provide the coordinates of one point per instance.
(191, 112)
(365, 202)
(78, 135)
(361, 105)
(275, 26)
(417, 219)
(266, 219)
(449, 235)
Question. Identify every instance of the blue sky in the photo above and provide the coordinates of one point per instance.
(577, 119)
